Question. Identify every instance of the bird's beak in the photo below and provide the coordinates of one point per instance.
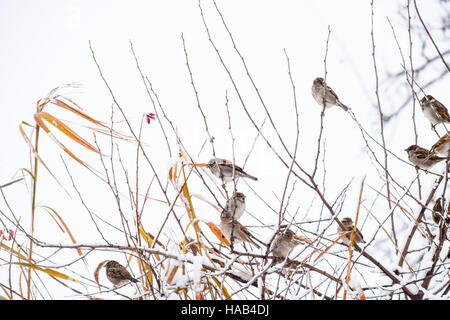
(297, 237)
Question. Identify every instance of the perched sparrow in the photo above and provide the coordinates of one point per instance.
(442, 146)
(117, 274)
(434, 111)
(422, 157)
(324, 94)
(236, 205)
(229, 225)
(438, 211)
(348, 228)
(222, 168)
(284, 243)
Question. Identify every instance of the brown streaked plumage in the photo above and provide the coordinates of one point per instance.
(230, 226)
(223, 169)
(438, 211)
(236, 205)
(434, 111)
(284, 243)
(323, 94)
(117, 274)
(348, 228)
(442, 146)
(422, 157)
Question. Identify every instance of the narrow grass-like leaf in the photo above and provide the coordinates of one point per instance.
(48, 271)
(62, 146)
(97, 271)
(393, 242)
(326, 249)
(58, 124)
(172, 274)
(18, 254)
(218, 233)
(145, 269)
(222, 287)
(10, 183)
(65, 227)
(64, 105)
(35, 154)
(407, 212)
(7, 294)
(208, 202)
(352, 238)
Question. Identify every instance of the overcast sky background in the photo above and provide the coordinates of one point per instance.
(46, 44)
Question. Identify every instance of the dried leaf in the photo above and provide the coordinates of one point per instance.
(65, 227)
(58, 124)
(218, 233)
(172, 274)
(222, 287)
(325, 251)
(97, 271)
(10, 183)
(48, 271)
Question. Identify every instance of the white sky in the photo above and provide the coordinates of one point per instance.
(45, 44)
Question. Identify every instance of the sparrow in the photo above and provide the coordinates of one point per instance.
(438, 212)
(117, 274)
(422, 157)
(284, 243)
(236, 205)
(434, 111)
(222, 168)
(442, 146)
(229, 225)
(324, 94)
(348, 229)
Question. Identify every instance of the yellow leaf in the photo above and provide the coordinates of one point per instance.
(18, 254)
(224, 290)
(35, 153)
(48, 271)
(7, 294)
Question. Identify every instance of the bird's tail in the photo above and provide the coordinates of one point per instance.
(251, 177)
(133, 280)
(255, 244)
(343, 106)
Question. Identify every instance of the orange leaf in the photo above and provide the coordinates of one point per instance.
(66, 130)
(172, 274)
(45, 128)
(208, 202)
(218, 233)
(81, 114)
(65, 227)
(328, 248)
(97, 270)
